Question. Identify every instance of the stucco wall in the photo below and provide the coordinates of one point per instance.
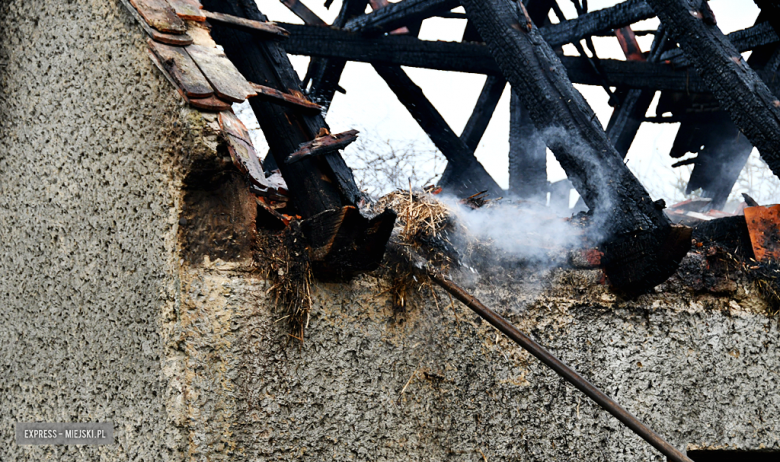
(88, 210)
(370, 383)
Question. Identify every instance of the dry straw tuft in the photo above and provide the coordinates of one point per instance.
(420, 215)
(284, 259)
(422, 227)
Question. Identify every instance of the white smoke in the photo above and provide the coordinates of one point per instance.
(521, 231)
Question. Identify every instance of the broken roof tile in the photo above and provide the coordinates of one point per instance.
(268, 29)
(212, 103)
(182, 70)
(200, 34)
(160, 15)
(275, 95)
(227, 81)
(188, 9)
(170, 39)
(763, 225)
(246, 160)
(323, 144)
(229, 123)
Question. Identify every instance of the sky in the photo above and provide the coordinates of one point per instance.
(369, 106)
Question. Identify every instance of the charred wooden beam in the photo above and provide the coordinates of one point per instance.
(325, 74)
(317, 184)
(262, 28)
(314, 186)
(483, 111)
(299, 102)
(399, 14)
(772, 10)
(598, 21)
(527, 155)
(527, 150)
(738, 88)
(344, 242)
(402, 13)
(324, 144)
(722, 150)
(722, 153)
(626, 119)
(303, 12)
(641, 247)
(538, 9)
(466, 174)
(753, 37)
(476, 58)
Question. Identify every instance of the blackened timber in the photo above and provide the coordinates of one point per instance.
(743, 40)
(641, 248)
(283, 98)
(325, 74)
(722, 149)
(624, 123)
(303, 12)
(740, 91)
(721, 159)
(315, 185)
(527, 155)
(538, 9)
(483, 111)
(467, 175)
(527, 151)
(475, 58)
(324, 144)
(407, 11)
(615, 17)
(772, 10)
(319, 185)
(399, 14)
(263, 28)
(486, 103)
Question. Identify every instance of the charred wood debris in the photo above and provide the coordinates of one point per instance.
(216, 53)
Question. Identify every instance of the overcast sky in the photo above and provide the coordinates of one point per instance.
(371, 107)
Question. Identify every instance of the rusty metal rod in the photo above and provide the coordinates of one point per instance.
(560, 368)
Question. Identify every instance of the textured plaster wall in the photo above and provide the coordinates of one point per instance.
(89, 131)
(435, 383)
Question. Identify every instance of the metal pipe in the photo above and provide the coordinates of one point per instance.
(560, 368)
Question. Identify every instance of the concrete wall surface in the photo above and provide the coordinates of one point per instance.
(129, 293)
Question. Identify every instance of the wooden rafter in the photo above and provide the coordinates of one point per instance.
(476, 58)
(527, 150)
(636, 229)
(624, 123)
(325, 74)
(483, 111)
(399, 14)
(321, 186)
(738, 88)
